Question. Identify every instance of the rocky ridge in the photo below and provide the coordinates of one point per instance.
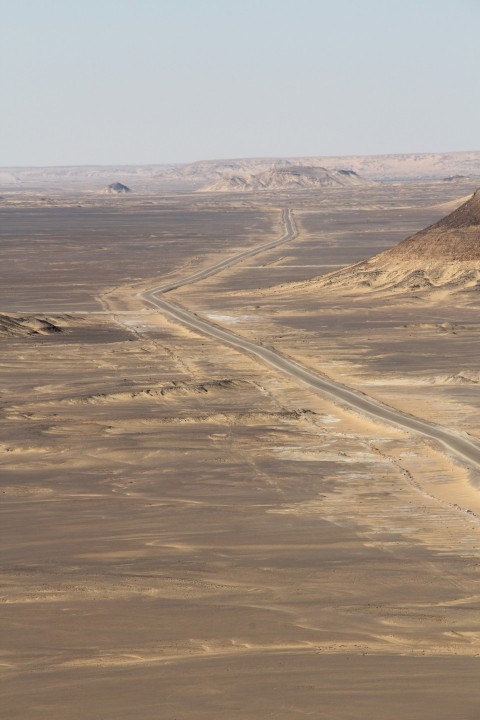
(20, 325)
(290, 177)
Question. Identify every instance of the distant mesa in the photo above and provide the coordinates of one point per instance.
(117, 188)
(443, 257)
(289, 177)
(453, 178)
(243, 174)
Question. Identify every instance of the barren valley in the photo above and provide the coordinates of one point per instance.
(190, 532)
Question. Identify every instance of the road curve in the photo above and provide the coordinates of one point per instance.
(460, 445)
(289, 234)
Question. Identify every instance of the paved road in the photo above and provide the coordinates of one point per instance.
(456, 443)
(289, 234)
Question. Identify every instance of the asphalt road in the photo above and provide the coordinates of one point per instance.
(458, 444)
(290, 233)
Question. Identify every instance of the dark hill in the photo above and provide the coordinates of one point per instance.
(117, 188)
(444, 256)
(455, 237)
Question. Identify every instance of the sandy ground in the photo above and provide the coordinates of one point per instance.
(187, 534)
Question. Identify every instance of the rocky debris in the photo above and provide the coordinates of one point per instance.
(25, 326)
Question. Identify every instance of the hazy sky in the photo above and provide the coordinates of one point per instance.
(153, 81)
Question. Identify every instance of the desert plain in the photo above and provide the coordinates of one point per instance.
(188, 532)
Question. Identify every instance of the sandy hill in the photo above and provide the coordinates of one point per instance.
(285, 178)
(444, 256)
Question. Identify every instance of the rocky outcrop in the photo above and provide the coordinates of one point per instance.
(290, 177)
(444, 256)
(117, 188)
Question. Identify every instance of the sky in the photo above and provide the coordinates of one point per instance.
(166, 81)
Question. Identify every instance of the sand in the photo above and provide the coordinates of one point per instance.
(186, 533)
